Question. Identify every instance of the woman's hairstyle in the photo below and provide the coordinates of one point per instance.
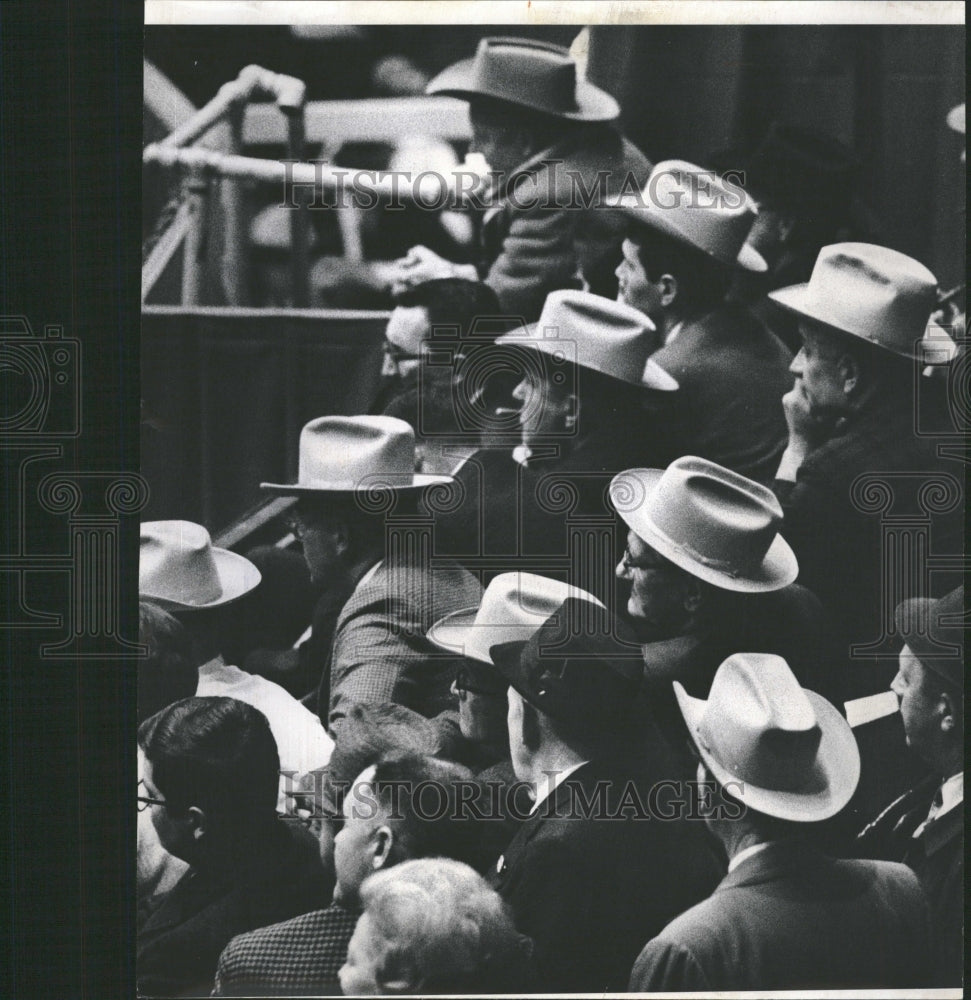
(439, 927)
(214, 753)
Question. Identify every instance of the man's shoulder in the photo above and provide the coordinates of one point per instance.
(314, 929)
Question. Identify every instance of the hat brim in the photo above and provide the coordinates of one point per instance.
(748, 258)
(237, 577)
(778, 569)
(652, 377)
(458, 633)
(418, 481)
(593, 104)
(836, 776)
(507, 658)
(795, 300)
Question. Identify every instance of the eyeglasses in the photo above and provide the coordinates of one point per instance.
(628, 563)
(144, 801)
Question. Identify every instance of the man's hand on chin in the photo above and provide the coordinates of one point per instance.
(807, 431)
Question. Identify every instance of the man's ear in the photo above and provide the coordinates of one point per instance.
(197, 822)
(694, 593)
(668, 285)
(532, 732)
(947, 712)
(571, 410)
(784, 225)
(382, 840)
(342, 536)
(849, 371)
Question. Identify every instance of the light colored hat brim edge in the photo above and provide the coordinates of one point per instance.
(419, 482)
(231, 567)
(593, 104)
(838, 757)
(779, 567)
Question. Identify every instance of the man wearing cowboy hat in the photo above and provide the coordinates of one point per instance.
(356, 476)
(586, 391)
(591, 874)
(709, 573)
(687, 237)
(775, 759)
(862, 316)
(924, 828)
(205, 588)
(547, 136)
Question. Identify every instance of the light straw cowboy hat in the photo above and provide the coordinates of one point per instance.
(871, 292)
(696, 207)
(513, 607)
(180, 569)
(535, 75)
(593, 332)
(710, 521)
(776, 747)
(356, 454)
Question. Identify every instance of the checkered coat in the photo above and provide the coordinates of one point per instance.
(297, 957)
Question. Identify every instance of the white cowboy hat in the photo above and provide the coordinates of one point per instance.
(594, 332)
(513, 607)
(871, 292)
(696, 207)
(776, 747)
(710, 521)
(535, 75)
(362, 454)
(180, 569)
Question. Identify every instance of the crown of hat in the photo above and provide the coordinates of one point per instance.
(713, 515)
(515, 599)
(759, 724)
(934, 630)
(591, 331)
(176, 563)
(355, 452)
(516, 66)
(696, 206)
(868, 291)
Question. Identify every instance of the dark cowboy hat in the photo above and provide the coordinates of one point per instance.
(530, 74)
(582, 667)
(934, 631)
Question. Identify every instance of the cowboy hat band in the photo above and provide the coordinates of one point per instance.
(361, 454)
(535, 75)
(776, 747)
(714, 523)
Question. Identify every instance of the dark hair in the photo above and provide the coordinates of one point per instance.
(167, 673)
(454, 303)
(365, 528)
(214, 753)
(702, 280)
(428, 407)
(422, 796)
(545, 129)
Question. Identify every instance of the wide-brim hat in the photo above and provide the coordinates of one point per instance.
(934, 632)
(871, 292)
(362, 454)
(598, 333)
(582, 667)
(513, 607)
(180, 569)
(715, 523)
(776, 747)
(535, 75)
(696, 207)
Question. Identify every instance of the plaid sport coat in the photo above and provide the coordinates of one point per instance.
(299, 956)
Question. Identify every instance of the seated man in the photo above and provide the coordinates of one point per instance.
(554, 156)
(709, 573)
(434, 926)
(205, 588)
(924, 828)
(210, 781)
(384, 822)
(357, 519)
(686, 240)
(774, 761)
(593, 872)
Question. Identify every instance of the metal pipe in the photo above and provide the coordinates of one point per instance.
(194, 238)
(299, 216)
(233, 261)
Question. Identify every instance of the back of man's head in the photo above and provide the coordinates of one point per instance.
(217, 754)
(454, 304)
(167, 672)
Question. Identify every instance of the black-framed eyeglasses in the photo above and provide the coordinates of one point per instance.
(628, 562)
(144, 801)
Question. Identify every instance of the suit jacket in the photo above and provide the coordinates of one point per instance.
(535, 237)
(732, 374)
(298, 956)
(588, 889)
(179, 942)
(791, 918)
(379, 651)
(937, 856)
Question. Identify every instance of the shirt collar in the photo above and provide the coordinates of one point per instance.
(550, 782)
(748, 852)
